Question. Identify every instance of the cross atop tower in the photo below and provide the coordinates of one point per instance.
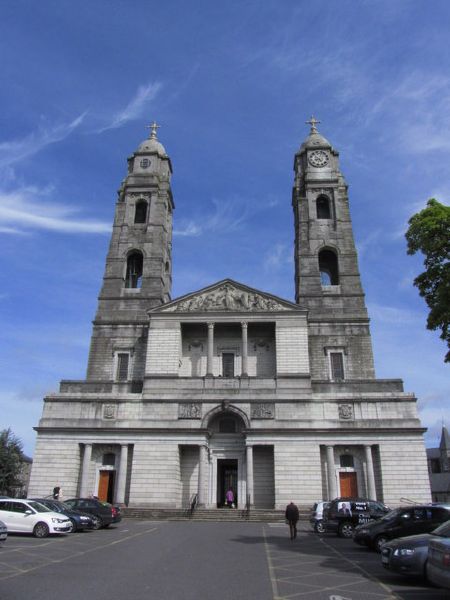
(154, 127)
(313, 122)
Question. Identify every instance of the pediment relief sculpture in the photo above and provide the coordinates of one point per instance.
(227, 298)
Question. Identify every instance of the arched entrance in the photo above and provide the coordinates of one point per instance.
(227, 458)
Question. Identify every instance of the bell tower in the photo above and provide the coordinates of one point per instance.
(138, 272)
(327, 279)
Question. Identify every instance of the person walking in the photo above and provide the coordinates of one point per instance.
(292, 516)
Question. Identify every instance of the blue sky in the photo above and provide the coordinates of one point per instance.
(231, 85)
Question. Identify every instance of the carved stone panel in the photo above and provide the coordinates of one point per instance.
(263, 410)
(109, 411)
(189, 410)
(227, 298)
(346, 412)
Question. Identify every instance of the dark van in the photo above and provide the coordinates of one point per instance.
(344, 514)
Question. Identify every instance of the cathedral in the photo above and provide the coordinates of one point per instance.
(230, 386)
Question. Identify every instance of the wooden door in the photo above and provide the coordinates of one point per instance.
(103, 486)
(349, 485)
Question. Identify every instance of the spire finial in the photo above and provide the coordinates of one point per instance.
(313, 122)
(154, 127)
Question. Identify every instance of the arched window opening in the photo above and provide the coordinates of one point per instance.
(227, 425)
(328, 267)
(323, 207)
(140, 214)
(347, 460)
(109, 459)
(133, 277)
(167, 267)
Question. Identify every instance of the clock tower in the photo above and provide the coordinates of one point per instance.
(327, 279)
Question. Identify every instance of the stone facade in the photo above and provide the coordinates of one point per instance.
(231, 386)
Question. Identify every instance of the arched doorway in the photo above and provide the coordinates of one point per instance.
(227, 458)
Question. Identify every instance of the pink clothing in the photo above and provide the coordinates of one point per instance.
(229, 496)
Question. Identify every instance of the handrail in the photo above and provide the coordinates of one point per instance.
(247, 507)
(193, 504)
(409, 501)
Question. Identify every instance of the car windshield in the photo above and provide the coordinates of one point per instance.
(38, 507)
(443, 530)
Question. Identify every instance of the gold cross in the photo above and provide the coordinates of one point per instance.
(313, 122)
(153, 126)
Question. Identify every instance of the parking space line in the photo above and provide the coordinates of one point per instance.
(80, 553)
(272, 577)
(392, 596)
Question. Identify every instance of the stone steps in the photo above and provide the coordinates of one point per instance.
(209, 514)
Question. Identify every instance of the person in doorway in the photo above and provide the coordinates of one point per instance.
(229, 498)
(292, 516)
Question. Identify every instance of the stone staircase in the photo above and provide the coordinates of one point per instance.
(261, 515)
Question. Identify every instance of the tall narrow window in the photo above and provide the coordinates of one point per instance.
(140, 214)
(323, 207)
(123, 362)
(227, 364)
(328, 267)
(337, 366)
(133, 277)
(347, 460)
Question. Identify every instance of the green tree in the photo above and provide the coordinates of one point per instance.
(11, 455)
(429, 233)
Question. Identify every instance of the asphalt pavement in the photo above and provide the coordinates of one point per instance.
(140, 560)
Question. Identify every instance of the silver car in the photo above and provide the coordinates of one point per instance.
(316, 518)
(3, 532)
(410, 554)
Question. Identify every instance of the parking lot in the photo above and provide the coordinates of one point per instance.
(201, 561)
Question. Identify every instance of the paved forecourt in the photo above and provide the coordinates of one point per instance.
(201, 561)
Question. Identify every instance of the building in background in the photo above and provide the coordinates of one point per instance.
(439, 468)
(231, 386)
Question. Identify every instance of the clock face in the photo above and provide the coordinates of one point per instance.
(318, 158)
(145, 163)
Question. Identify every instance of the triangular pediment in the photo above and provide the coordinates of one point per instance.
(228, 296)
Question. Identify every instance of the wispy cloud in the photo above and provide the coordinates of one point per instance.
(135, 107)
(15, 150)
(392, 314)
(20, 212)
(277, 257)
(228, 215)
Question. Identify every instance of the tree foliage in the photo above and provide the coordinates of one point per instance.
(429, 233)
(11, 456)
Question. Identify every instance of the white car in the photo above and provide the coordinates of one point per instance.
(3, 532)
(27, 516)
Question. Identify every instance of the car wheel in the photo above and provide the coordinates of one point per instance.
(379, 541)
(346, 530)
(74, 526)
(319, 528)
(98, 523)
(41, 530)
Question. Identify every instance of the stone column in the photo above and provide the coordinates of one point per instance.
(202, 465)
(250, 491)
(244, 370)
(332, 491)
(85, 470)
(371, 489)
(209, 363)
(122, 480)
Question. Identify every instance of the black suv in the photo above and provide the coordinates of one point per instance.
(344, 514)
(401, 522)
